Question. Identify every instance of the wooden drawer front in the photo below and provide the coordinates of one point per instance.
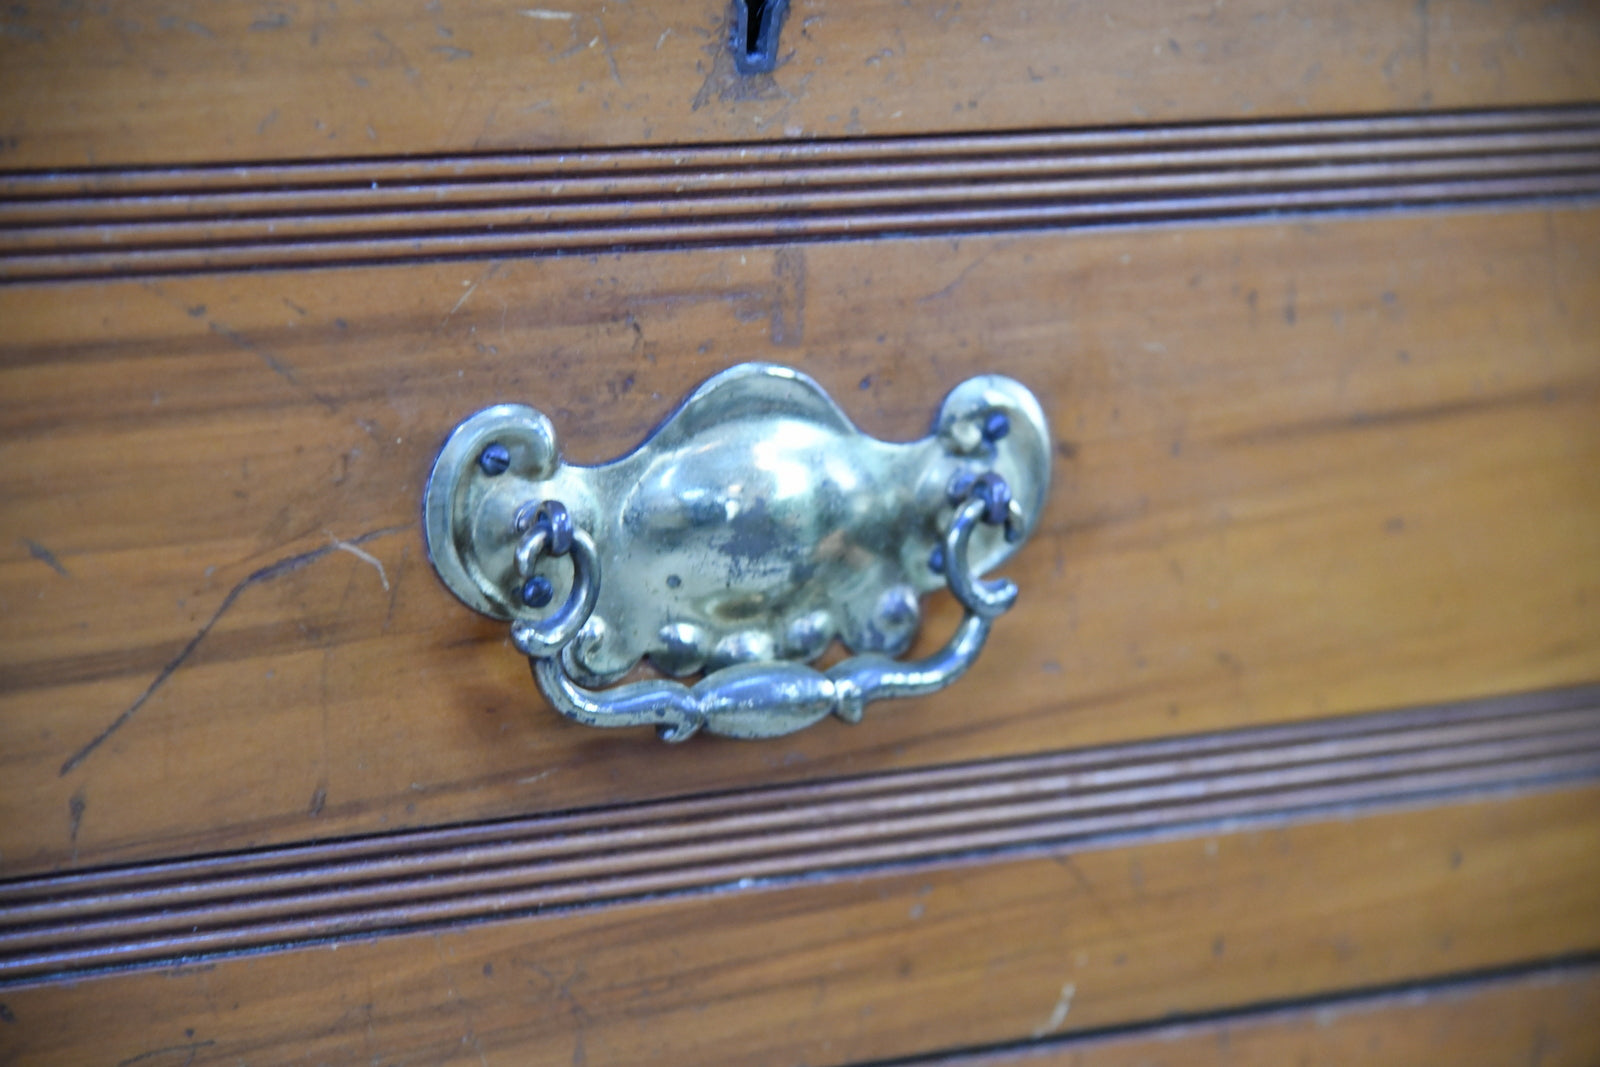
(1304, 469)
(880, 966)
(123, 83)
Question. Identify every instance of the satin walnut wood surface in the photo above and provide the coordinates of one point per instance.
(186, 81)
(1303, 469)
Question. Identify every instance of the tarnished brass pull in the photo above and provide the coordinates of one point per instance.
(751, 529)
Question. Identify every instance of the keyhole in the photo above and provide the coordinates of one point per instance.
(752, 25)
(755, 34)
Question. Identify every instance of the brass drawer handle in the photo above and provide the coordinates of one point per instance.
(751, 529)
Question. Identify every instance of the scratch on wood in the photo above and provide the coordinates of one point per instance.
(396, 52)
(1396, 417)
(172, 22)
(45, 556)
(361, 554)
(240, 341)
(274, 364)
(605, 46)
(562, 989)
(266, 574)
(192, 1048)
(470, 288)
(1067, 862)
(1058, 1014)
(469, 1034)
(959, 278)
(399, 576)
(457, 305)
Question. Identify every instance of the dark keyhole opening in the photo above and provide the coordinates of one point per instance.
(755, 34)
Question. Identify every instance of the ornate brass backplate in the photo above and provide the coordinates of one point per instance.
(755, 526)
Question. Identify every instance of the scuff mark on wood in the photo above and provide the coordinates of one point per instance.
(270, 572)
(45, 556)
(788, 296)
(172, 22)
(1058, 1014)
(725, 83)
(76, 806)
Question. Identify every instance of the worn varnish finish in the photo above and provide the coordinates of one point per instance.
(1550, 1018)
(271, 899)
(874, 966)
(123, 82)
(1304, 469)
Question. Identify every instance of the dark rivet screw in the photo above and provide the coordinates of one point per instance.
(495, 459)
(537, 591)
(936, 559)
(996, 496)
(996, 426)
(554, 514)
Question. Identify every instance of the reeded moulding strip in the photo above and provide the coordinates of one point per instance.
(144, 221)
(154, 914)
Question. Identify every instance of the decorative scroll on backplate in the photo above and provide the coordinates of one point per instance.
(754, 527)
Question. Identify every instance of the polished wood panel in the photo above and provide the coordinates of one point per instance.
(187, 909)
(1550, 1018)
(125, 82)
(874, 966)
(1289, 484)
(142, 222)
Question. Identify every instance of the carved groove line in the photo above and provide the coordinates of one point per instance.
(96, 223)
(160, 913)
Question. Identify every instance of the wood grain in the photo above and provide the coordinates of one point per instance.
(1548, 1017)
(877, 966)
(183, 910)
(1290, 485)
(66, 224)
(124, 83)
